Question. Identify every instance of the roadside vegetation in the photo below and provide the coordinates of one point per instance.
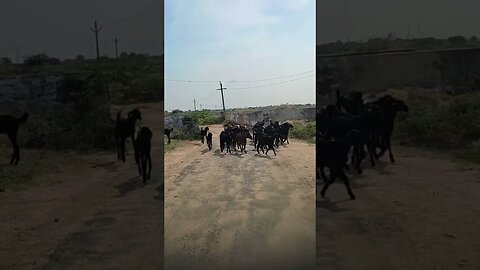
(448, 122)
(304, 131)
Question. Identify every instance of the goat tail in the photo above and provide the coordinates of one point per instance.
(24, 118)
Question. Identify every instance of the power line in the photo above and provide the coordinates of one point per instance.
(262, 80)
(259, 86)
(207, 96)
(145, 12)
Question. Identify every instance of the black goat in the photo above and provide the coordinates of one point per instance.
(388, 107)
(283, 131)
(143, 157)
(9, 125)
(209, 140)
(334, 155)
(225, 141)
(265, 141)
(167, 132)
(125, 128)
(203, 133)
(240, 139)
(352, 105)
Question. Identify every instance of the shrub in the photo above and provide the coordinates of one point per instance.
(453, 125)
(189, 130)
(59, 129)
(304, 131)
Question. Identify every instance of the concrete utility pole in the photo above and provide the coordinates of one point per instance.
(194, 105)
(223, 100)
(96, 30)
(116, 47)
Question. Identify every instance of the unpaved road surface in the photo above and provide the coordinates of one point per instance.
(239, 211)
(93, 212)
(419, 213)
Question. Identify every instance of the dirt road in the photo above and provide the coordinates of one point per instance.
(88, 212)
(419, 213)
(239, 211)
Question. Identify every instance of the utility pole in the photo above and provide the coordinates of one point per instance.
(223, 100)
(18, 56)
(194, 105)
(96, 30)
(116, 47)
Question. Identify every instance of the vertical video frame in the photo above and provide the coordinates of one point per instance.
(81, 109)
(397, 135)
(239, 134)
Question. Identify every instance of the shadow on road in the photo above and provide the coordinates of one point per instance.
(160, 195)
(263, 156)
(380, 167)
(331, 205)
(128, 186)
(218, 153)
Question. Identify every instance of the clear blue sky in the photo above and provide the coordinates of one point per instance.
(239, 41)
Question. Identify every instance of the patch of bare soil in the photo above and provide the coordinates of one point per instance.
(90, 212)
(239, 210)
(418, 213)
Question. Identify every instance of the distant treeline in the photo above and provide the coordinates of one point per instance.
(392, 42)
(129, 79)
(42, 59)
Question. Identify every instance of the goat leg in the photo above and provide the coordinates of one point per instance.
(322, 173)
(390, 152)
(144, 168)
(149, 166)
(16, 150)
(139, 169)
(327, 184)
(358, 159)
(135, 149)
(118, 147)
(346, 181)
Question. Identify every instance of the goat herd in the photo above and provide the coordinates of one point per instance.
(352, 124)
(265, 136)
(125, 128)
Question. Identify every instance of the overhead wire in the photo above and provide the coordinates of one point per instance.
(241, 81)
(258, 86)
(149, 8)
(266, 85)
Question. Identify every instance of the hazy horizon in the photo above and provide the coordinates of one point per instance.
(353, 20)
(219, 108)
(254, 41)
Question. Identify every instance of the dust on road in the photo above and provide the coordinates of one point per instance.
(93, 212)
(239, 211)
(420, 213)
